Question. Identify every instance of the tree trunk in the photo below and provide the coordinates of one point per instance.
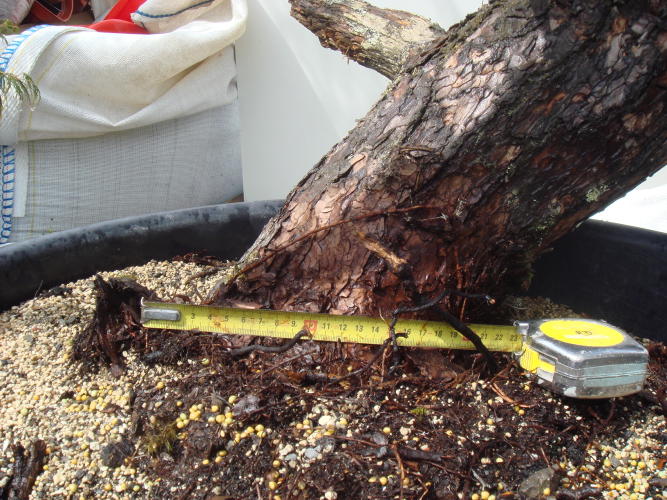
(507, 131)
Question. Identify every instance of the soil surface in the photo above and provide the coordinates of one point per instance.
(140, 413)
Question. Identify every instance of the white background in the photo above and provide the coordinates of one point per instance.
(298, 99)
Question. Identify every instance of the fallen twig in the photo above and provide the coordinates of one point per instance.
(207, 272)
(652, 398)
(294, 483)
(500, 393)
(268, 349)
(282, 363)
(406, 274)
(579, 493)
(594, 434)
(400, 465)
(406, 453)
(449, 471)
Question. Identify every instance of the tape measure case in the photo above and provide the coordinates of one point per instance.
(583, 358)
(575, 357)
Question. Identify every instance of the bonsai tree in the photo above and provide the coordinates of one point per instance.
(492, 140)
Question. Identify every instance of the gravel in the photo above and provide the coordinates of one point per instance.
(45, 397)
(85, 420)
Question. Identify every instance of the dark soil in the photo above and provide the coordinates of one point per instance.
(465, 430)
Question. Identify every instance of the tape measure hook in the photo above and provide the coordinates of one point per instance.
(153, 313)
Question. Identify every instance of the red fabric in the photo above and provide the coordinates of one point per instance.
(123, 9)
(117, 26)
(118, 19)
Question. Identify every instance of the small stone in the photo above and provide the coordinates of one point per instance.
(535, 484)
(326, 421)
(114, 454)
(287, 449)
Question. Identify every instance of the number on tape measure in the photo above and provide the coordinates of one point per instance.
(358, 329)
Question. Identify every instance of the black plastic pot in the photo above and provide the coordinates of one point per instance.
(617, 273)
(225, 231)
(609, 271)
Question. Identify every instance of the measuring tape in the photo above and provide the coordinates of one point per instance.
(324, 327)
(574, 357)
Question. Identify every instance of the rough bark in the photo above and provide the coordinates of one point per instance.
(380, 39)
(509, 130)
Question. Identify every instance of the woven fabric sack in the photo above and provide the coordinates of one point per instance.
(127, 124)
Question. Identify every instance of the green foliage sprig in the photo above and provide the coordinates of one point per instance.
(23, 86)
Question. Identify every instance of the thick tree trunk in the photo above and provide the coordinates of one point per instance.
(507, 131)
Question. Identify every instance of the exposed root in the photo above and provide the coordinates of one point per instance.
(269, 349)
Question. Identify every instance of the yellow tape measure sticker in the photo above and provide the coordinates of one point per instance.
(331, 328)
(582, 333)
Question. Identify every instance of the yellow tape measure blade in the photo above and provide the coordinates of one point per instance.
(323, 327)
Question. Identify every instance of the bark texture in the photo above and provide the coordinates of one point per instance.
(380, 39)
(509, 130)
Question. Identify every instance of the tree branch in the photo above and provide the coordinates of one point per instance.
(380, 39)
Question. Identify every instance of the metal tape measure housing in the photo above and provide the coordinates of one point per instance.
(583, 358)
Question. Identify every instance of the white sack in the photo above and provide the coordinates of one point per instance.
(92, 83)
(101, 83)
(199, 165)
